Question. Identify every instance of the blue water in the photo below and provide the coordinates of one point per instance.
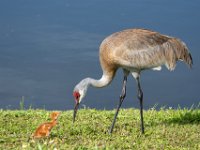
(48, 46)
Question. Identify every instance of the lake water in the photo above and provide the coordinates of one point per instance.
(47, 47)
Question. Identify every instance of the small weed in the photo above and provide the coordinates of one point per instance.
(21, 104)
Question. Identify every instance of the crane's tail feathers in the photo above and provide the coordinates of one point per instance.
(177, 50)
(184, 54)
(190, 60)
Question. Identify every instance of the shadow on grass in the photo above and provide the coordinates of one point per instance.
(190, 117)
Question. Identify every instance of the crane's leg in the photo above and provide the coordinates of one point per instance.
(122, 96)
(140, 97)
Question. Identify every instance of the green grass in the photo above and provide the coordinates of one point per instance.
(164, 129)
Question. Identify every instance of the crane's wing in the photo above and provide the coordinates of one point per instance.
(137, 39)
(142, 49)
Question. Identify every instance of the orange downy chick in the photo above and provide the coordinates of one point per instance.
(44, 129)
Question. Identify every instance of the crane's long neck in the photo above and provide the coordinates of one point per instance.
(85, 83)
(103, 81)
(82, 86)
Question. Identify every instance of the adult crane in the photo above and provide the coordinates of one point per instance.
(133, 50)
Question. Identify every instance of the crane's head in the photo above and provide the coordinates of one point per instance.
(54, 115)
(78, 96)
(79, 93)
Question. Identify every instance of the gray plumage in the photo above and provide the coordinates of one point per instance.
(141, 49)
(134, 50)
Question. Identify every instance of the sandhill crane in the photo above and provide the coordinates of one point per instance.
(133, 50)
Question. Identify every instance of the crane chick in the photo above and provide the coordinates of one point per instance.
(44, 129)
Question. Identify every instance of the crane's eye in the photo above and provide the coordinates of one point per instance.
(77, 96)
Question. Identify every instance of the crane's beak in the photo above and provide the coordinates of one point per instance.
(75, 111)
